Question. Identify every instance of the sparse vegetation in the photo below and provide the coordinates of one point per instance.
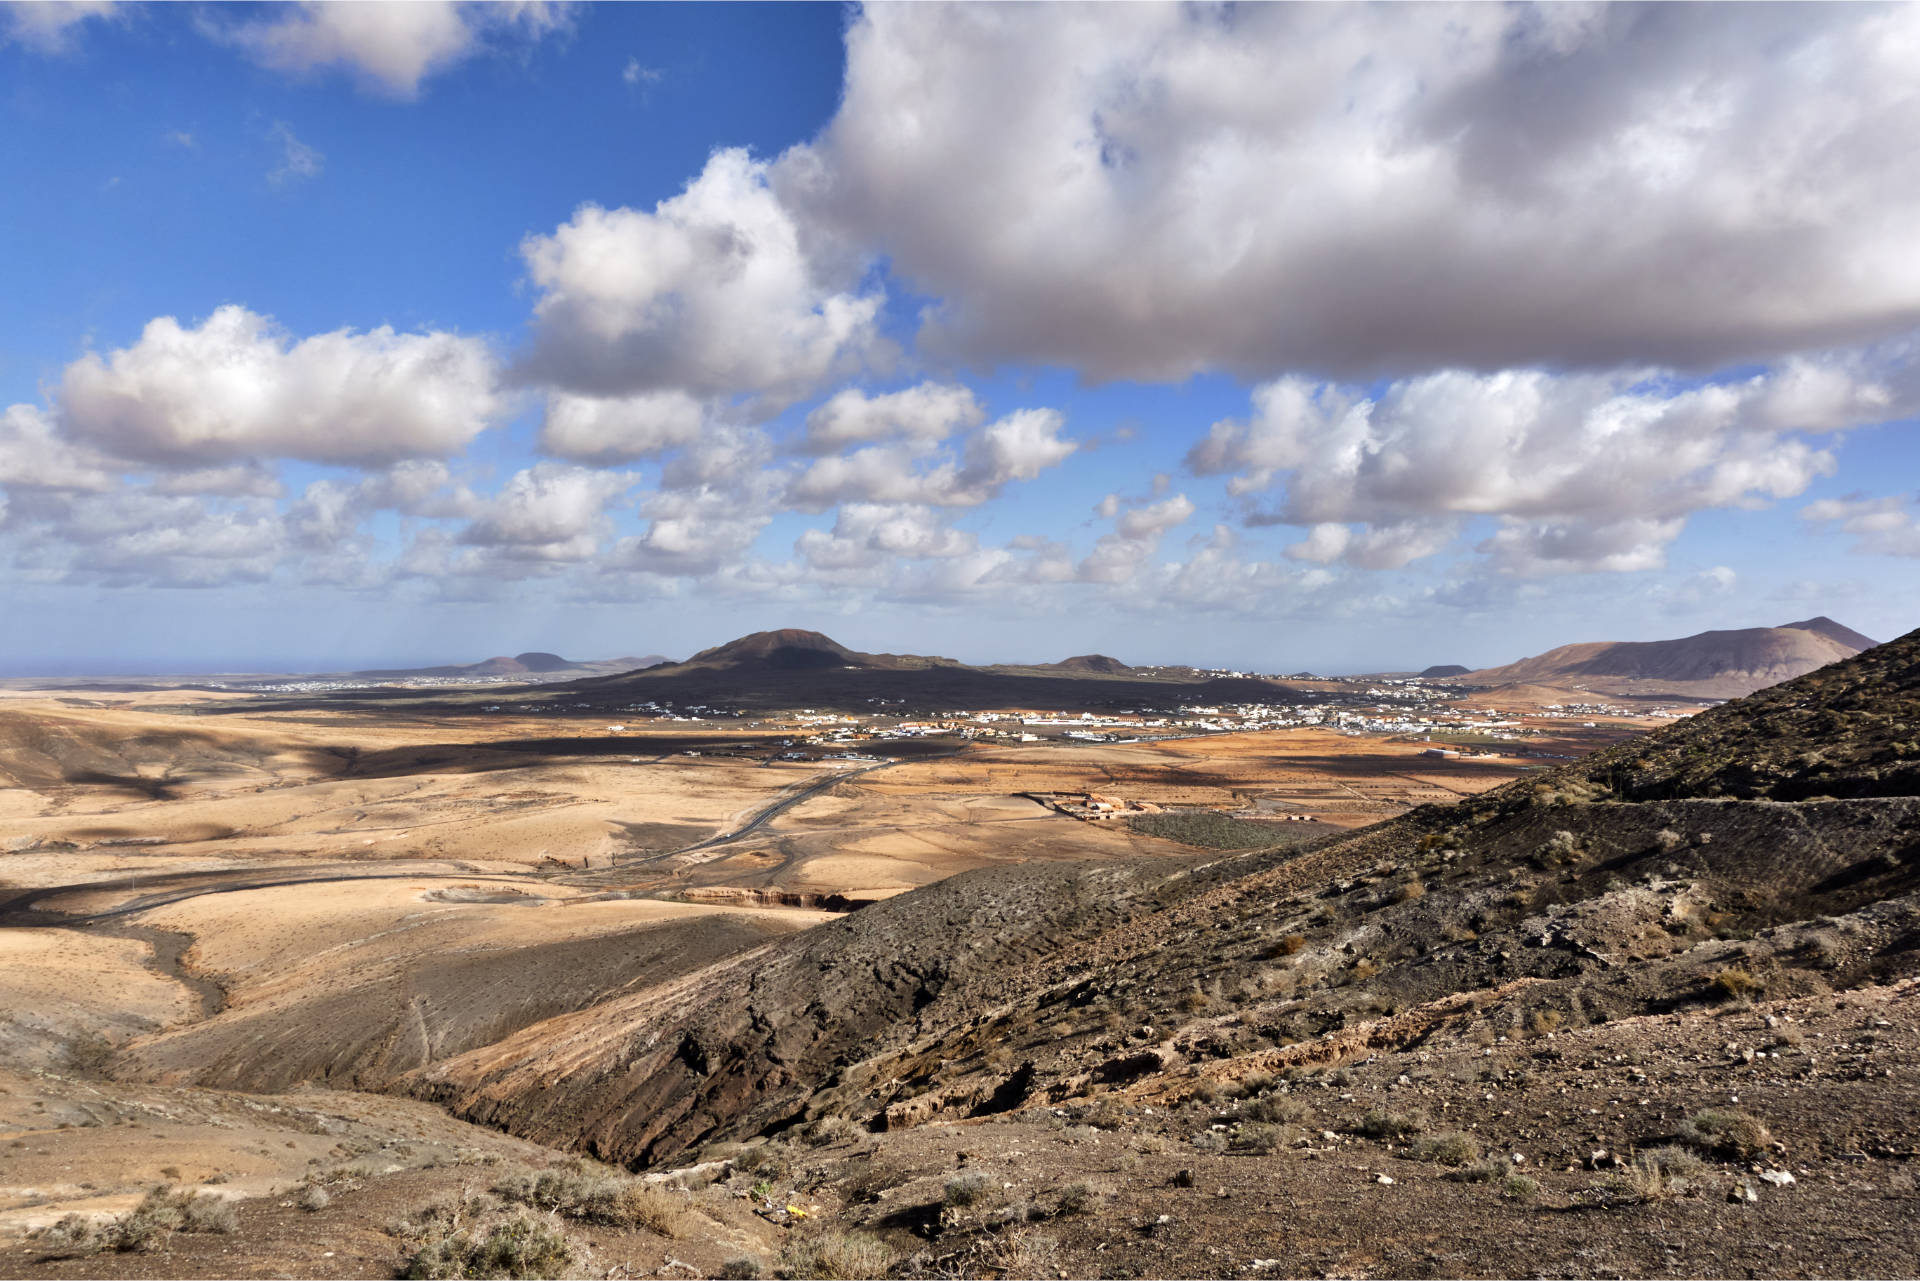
(1207, 829)
(1487, 1170)
(1287, 945)
(1258, 1136)
(592, 1194)
(518, 1244)
(204, 1213)
(834, 1256)
(1453, 1148)
(1383, 1124)
(1656, 1175)
(1520, 1187)
(1726, 1132)
(1078, 1198)
(73, 1235)
(1275, 1108)
(968, 1188)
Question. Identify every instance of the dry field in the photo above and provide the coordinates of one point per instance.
(192, 885)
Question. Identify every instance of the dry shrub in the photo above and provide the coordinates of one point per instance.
(1287, 945)
(1658, 1174)
(834, 1256)
(1726, 1132)
(1021, 1253)
(1519, 1187)
(147, 1225)
(1382, 1124)
(1364, 969)
(72, 1236)
(1409, 891)
(1454, 1149)
(1275, 1108)
(741, 1267)
(581, 1190)
(1078, 1198)
(1490, 1170)
(313, 1197)
(1259, 1137)
(203, 1213)
(1734, 983)
(970, 1188)
(520, 1244)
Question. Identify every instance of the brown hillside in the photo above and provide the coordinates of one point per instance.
(1717, 664)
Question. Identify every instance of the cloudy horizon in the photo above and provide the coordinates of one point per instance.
(1273, 337)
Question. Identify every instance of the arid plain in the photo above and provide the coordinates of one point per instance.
(187, 874)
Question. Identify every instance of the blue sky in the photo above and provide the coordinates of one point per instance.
(1324, 337)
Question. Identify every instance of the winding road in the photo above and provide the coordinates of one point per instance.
(23, 910)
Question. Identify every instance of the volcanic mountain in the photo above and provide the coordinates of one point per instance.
(787, 650)
(1717, 664)
(793, 666)
(1096, 663)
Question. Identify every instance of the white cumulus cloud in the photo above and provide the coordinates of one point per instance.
(1152, 190)
(715, 292)
(238, 387)
(1586, 471)
(550, 512)
(390, 45)
(924, 414)
(620, 429)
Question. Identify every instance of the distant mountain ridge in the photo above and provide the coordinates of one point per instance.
(531, 663)
(1713, 664)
